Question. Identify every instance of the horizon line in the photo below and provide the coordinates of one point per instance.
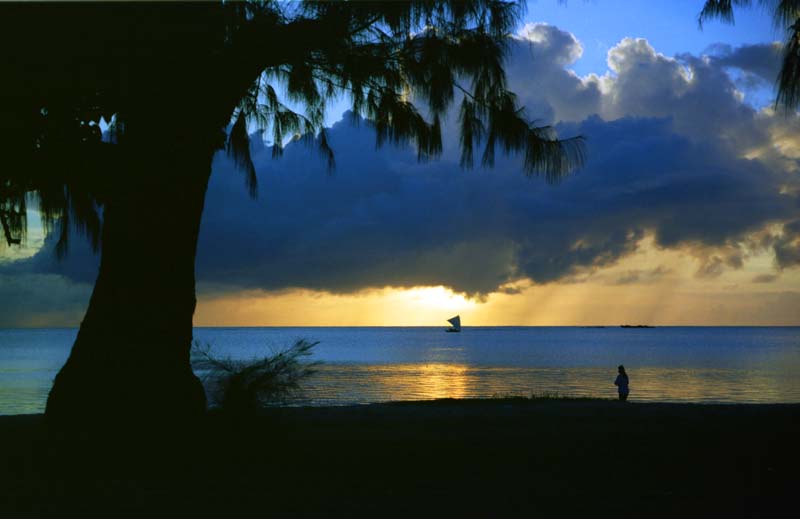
(597, 326)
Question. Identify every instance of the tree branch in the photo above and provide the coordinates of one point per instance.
(7, 230)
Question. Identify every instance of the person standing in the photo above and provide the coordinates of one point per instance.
(622, 383)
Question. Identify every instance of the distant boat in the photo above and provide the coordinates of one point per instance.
(456, 322)
(636, 326)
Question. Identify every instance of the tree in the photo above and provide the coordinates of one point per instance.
(786, 13)
(170, 79)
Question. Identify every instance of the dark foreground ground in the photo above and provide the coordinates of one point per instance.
(486, 458)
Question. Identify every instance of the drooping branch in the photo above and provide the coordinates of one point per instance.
(203, 72)
(7, 230)
(721, 9)
(386, 67)
(789, 77)
(786, 15)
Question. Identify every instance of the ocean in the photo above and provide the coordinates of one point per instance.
(376, 364)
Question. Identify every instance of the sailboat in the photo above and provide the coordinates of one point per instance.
(456, 322)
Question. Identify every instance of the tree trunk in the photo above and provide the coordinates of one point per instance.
(130, 359)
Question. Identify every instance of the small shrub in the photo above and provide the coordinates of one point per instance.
(540, 395)
(507, 396)
(549, 395)
(242, 387)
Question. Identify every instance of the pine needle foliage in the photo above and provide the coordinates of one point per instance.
(786, 14)
(210, 73)
(242, 387)
(789, 77)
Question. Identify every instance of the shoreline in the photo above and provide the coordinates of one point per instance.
(490, 404)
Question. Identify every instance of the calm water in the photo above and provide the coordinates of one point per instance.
(363, 365)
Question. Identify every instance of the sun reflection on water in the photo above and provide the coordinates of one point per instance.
(355, 384)
(442, 381)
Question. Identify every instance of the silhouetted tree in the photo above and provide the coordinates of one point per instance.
(170, 79)
(786, 14)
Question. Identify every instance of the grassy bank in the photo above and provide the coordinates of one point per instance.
(498, 457)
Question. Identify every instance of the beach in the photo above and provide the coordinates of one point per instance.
(479, 458)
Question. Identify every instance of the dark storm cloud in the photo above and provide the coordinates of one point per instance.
(664, 159)
(382, 219)
(41, 300)
(759, 61)
(43, 291)
(787, 246)
(668, 165)
(79, 265)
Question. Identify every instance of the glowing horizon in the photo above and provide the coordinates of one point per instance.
(666, 292)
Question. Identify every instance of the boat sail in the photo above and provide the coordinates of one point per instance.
(456, 322)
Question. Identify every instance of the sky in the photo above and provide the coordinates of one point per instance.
(687, 211)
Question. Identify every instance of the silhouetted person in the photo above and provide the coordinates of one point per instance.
(622, 383)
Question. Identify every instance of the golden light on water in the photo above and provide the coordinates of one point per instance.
(442, 381)
(348, 384)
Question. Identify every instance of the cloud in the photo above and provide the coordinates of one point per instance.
(696, 93)
(760, 63)
(538, 74)
(787, 245)
(667, 157)
(641, 276)
(674, 153)
(764, 278)
(382, 219)
(79, 265)
(712, 268)
(41, 300)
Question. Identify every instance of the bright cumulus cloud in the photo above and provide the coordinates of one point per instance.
(687, 212)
